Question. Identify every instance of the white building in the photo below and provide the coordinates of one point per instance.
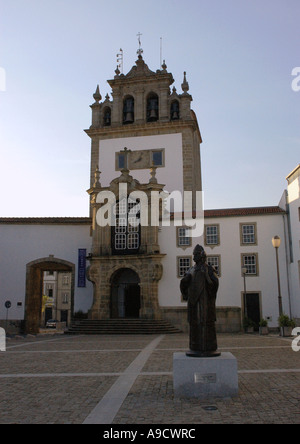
(292, 197)
(148, 139)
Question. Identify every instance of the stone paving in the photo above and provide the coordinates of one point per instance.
(66, 379)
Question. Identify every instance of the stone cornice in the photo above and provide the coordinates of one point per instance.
(143, 129)
(45, 221)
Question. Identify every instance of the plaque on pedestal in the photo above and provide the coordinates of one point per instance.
(205, 377)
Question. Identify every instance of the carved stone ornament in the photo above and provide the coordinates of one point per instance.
(156, 272)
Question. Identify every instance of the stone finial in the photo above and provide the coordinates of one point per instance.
(97, 96)
(185, 86)
(153, 175)
(97, 178)
(126, 152)
(164, 66)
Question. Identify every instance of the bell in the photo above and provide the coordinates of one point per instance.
(128, 117)
(153, 114)
(174, 110)
(107, 120)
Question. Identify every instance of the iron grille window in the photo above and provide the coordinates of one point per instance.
(126, 235)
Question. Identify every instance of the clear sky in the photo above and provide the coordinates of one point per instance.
(238, 55)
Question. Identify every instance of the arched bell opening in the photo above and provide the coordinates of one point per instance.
(107, 116)
(128, 110)
(174, 110)
(152, 107)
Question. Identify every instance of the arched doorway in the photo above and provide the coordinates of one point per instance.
(125, 294)
(34, 288)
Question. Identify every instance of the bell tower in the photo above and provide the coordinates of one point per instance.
(146, 136)
(142, 105)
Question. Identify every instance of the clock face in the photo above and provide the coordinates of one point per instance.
(139, 160)
(137, 157)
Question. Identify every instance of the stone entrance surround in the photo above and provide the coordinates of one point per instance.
(149, 270)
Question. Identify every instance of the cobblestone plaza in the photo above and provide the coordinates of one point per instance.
(121, 379)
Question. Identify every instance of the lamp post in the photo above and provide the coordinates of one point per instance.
(244, 271)
(276, 241)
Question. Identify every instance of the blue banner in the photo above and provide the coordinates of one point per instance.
(81, 267)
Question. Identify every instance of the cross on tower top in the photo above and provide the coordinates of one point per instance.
(139, 51)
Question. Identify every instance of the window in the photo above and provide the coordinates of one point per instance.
(120, 161)
(157, 158)
(250, 261)
(66, 280)
(212, 235)
(183, 264)
(65, 298)
(133, 241)
(127, 231)
(248, 234)
(183, 237)
(215, 261)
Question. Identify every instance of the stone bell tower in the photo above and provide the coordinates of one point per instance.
(147, 138)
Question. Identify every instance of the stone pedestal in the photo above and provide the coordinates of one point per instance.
(205, 377)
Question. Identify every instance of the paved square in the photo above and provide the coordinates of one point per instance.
(128, 380)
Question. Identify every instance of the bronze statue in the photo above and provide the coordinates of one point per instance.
(199, 287)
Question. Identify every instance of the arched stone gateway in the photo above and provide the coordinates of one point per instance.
(34, 284)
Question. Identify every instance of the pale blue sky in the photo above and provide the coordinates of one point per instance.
(238, 54)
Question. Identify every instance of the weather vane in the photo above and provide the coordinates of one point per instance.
(120, 60)
(139, 51)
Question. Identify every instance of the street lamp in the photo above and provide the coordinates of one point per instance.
(276, 241)
(244, 271)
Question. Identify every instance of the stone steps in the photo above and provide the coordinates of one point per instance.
(121, 327)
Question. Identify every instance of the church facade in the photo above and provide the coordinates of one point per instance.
(127, 258)
(145, 141)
